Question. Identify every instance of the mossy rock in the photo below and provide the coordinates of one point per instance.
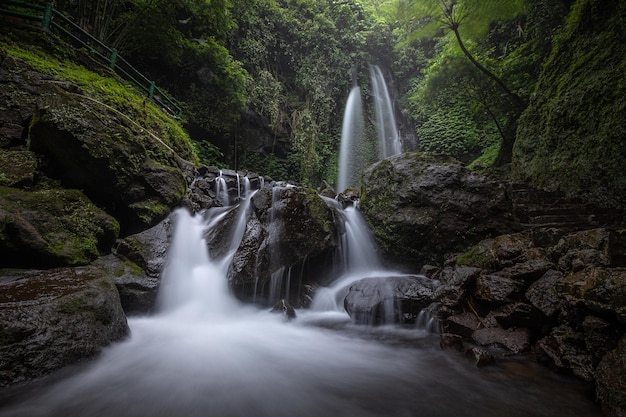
(51, 228)
(571, 137)
(17, 168)
(120, 166)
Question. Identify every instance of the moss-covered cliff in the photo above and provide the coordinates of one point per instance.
(572, 137)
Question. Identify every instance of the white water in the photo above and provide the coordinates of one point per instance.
(352, 155)
(388, 139)
(205, 354)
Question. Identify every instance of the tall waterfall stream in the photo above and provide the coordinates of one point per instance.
(206, 354)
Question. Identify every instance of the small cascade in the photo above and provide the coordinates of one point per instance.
(427, 319)
(221, 190)
(358, 259)
(246, 186)
(238, 188)
(388, 139)
(352, 153)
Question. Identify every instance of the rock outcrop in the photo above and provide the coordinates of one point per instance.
(421, 207)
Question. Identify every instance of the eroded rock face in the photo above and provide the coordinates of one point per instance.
(421, 207)
(53, 318)
(393, 299)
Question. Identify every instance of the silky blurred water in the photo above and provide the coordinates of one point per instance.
(205, 354)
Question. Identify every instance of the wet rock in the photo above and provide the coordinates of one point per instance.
(387, 300)
(137, 264)
(565, 349)
(518, 315)
(455, 283)
(516, 340)
(416, 204)
(528, 271)
(451, 341)
(542, 293)
(53, 318)
(287, 227)
(600, 336)
(463, 324)
(610, 381)
(481, 356)
(284, 308)
(579, 250)
(17, 167)
(137, 290)
(497, 289)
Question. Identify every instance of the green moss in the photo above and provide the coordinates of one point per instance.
(473, 257)
(72, 226)
(318, 209)
(572, 134)
(110, 91)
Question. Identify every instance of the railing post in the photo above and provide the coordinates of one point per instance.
(151, 90)
(47, 17)
(113, 58)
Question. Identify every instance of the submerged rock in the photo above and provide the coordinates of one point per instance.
(50, 319)
(284, 308)
(388, 300)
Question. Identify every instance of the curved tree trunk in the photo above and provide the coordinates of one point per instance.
(517, 100)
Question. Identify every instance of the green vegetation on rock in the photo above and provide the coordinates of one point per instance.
(571, 138)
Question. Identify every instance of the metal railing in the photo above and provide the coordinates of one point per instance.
(51, 18)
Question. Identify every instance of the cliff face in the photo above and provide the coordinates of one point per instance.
(571, 137)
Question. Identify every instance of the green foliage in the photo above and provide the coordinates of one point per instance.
(269, 165)
(208, 154)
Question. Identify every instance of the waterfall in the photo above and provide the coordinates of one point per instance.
(221, 190)
(246, 186)
(352, 153)
(358, 259)
(203, 353)
(388, 139)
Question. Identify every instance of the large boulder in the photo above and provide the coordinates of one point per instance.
(287, 227)
(53, 318)
(53, 227)
(422, 207)
(120, 166)
(388, 300)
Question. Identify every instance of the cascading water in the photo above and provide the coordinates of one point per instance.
(205, 354)
(388, 139)
(221, 190)
(352, 153)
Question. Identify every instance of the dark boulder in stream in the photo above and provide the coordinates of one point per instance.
(389, 300)
(53, 318)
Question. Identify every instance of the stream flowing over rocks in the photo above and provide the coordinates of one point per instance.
(86, 199)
